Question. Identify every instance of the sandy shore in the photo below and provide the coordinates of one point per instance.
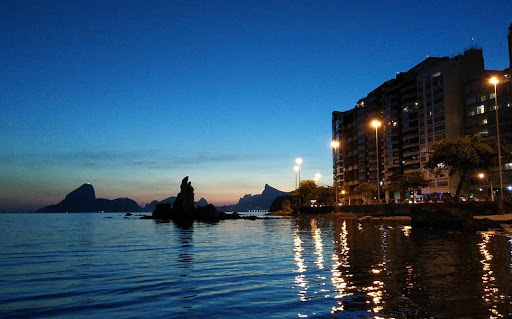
(499, 218)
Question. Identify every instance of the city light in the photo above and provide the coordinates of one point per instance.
(377, 124)
(495, 81)
(335, 145)
(298, 161)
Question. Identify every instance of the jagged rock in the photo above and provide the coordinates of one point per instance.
(440, 217)
(208, 213)
(449, 216)
(286, 208)
(486, 224)
(184, 204)
(277, 204)
(152, 206)
(184, 213)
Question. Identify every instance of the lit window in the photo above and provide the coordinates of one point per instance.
(480, 109)
(492, 96)
(484, 121)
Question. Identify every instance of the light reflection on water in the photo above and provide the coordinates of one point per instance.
(88, 266)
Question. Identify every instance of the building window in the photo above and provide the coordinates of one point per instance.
(480, 109)
(483, 122)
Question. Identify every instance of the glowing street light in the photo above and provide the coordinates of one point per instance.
(377, 124)
(495, 81)
(296, 169)
(298, 161)
(335, 145)
(481, 176)
(317, 177)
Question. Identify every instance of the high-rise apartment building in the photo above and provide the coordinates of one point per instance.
(439, 98)
(441, 104)
(480, 116)
(416, 108)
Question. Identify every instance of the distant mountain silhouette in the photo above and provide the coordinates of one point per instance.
(170, 200)
(83, 199)
(255, 202)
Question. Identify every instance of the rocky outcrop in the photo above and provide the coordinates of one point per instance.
(277, 204)
(152, 206)
(286, 208)
(448, 216)
(83, 199)
(183, 210)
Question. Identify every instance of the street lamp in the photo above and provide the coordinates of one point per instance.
(481, 176)
(343, 192)
(335, 145)
(377, 124)
(495, 81)
(298, 161)
(296, 169)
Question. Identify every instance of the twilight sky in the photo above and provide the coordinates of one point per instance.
(131, 96)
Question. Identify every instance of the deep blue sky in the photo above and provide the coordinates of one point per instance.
(132, 96)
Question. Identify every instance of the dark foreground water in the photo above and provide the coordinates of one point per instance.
(86, 265)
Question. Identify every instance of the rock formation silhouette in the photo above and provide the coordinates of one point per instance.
(83, 199)
(183, 210)
(256, 202)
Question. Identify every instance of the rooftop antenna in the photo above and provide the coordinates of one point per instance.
(474, 44)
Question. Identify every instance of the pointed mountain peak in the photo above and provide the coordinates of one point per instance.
(82, 193)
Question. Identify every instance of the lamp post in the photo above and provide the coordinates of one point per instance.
(481, 176)
(296, 169)
(377, 124)
(298, 161)
(335, 145)
(495, 81)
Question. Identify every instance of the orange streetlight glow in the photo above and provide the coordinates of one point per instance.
(494, 80)
(376, 123)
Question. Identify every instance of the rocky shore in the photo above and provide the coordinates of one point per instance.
(183, 210)
(448, 216)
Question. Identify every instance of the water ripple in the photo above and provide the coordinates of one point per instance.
(83, 265)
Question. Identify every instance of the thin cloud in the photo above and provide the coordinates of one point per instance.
(156, 160)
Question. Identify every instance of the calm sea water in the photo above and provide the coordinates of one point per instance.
(87, 265)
